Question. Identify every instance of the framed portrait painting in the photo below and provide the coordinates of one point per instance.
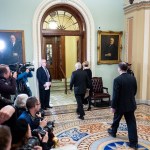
(109, 47)
(12, 47)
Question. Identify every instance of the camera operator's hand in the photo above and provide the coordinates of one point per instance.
(37, 147)
(39, 114)
(43, 123)
(5, 113)
(14, 75)
(44, 139)
(27, 70)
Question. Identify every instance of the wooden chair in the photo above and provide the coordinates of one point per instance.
(99, 92)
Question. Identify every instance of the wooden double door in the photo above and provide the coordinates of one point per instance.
(53, 50)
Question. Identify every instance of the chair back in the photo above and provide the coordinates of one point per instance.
(97, 85)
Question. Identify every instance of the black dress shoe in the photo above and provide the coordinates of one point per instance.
(111, 133)
(89, 109)
(134, 146)
(77, 113)
(81, 117)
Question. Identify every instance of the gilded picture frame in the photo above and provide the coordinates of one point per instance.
(12, 48)
(109, 47)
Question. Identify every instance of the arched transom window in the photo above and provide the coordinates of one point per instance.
(60, 20)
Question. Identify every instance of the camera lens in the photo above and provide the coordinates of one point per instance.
(33, 141)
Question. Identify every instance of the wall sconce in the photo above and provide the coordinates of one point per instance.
(131, 1)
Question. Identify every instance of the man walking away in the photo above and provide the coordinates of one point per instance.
(80, 81)
(123, 104)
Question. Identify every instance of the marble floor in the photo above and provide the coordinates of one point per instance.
(91, 133)
(60, 98)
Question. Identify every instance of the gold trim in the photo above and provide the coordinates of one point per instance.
(103, 44)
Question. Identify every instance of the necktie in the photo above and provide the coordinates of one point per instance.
(47, 74)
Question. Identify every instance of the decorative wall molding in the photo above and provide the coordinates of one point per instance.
(127, 2)
(82, 8)
(140, 101)
(137, 6)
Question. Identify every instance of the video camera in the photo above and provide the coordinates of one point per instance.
(21, 67)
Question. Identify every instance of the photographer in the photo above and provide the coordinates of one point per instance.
(25, 140)
(7, 82)
(34, 119)
(31, 117)
(22, 82)
(7, 88)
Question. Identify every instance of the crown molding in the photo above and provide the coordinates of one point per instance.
(137, 6)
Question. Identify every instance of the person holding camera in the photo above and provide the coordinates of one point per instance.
(35, 120)
(32, 118)
(25, 140)
(22, 82)
(7, 82)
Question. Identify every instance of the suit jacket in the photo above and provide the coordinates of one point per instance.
(80, 81)
(42, 77)
(89, 73)
(124, 90)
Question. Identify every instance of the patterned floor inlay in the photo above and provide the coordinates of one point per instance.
(91, 133)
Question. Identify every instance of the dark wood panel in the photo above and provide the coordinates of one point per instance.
(54, 66)
(49, 32)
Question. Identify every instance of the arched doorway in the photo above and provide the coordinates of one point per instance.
(61, 26)
(90, 34)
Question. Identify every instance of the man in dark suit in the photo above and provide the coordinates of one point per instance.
(44, 79)
(80, 81)
(124, 104)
